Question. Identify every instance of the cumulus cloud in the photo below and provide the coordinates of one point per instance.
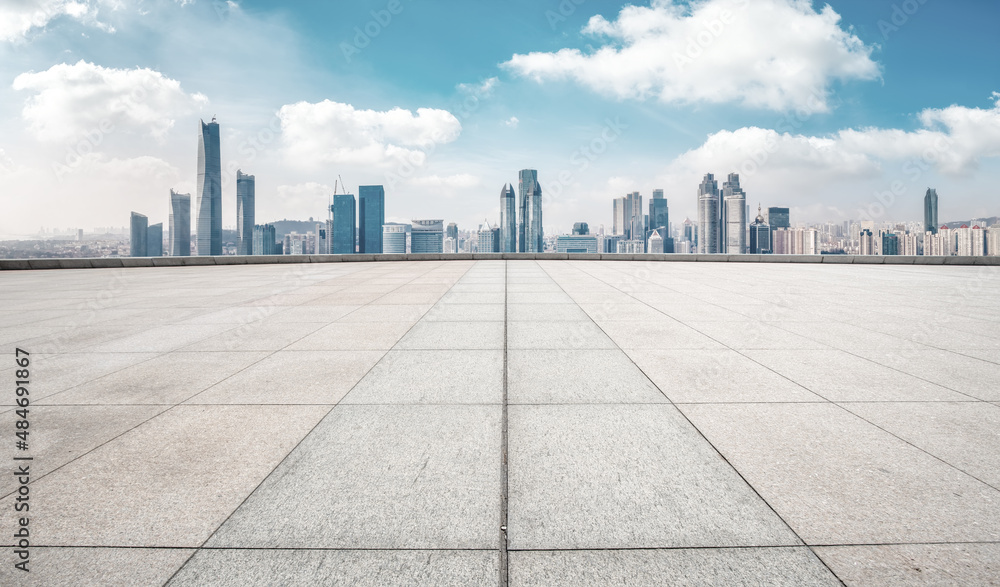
(512, 122)
(953, 141)
(332, 132)
(71, 101)
(771, 54)
(483, 89)
(19, 17)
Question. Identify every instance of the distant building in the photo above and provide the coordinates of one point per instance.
(371, 218)
(180, 224)
(632, 247)
(655, 243)
(508, 220)
(931, 211)
(489, 239)
(344, 228)
(890, 244)
(867, 241)
(978, 241)
(777, 218)
(427, 236)
(760, 235)
(138, 235)
(451, 231)
(531, 237)
(609, 244)
(993, 241)
(708, 216)
(265, 240)
(245, 214)
(963, 241)
(154, 240)
(734, 217)
(394, 238)
(577, 243)
(581, 229)
(209, 190)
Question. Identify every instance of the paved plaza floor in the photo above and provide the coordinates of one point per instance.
(506, 423)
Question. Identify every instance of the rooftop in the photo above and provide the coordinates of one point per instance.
(663, 423)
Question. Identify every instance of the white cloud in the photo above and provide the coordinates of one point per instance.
(772, 54)
(73, 101)
(953, 141)
(19, 17)
(332, 132)
(512, 122)
(483, 89)
(461, 181)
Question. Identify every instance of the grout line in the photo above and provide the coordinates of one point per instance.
(504, 446)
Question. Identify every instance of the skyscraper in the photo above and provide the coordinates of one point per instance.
(931, 211)
(427, 236)
(371, 218)
(708, 216)
(344, 231)
(530, 234)
(619, 212)
(138, 235)
(264, 240)
(154, 240)
(487, 240)
(209, 190)
(760, 235)
(245, 216)
(777, 218)
(508, 220)
(635, 222)
(180, 224)
(734, 206)
(581, 229)
(451, 231)
(659, 214)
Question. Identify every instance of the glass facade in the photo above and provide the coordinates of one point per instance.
(371, 218)
(508, 220)
(137, 235)
(427, 236)
(209, 190)
(180, 224)
(245, 195)
(344, 231)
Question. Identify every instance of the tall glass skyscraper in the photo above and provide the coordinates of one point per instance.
(394, 238)
(931, 212)
(777, 218)
(531, 238)
(734, 217)
(708, 216)
(371, 218)
(760, 235)
(154, 240)
(508, 220)
(264, 240)
(245, 195)
(180, 224)
(137, 235)
(344, 210)
(209, 190)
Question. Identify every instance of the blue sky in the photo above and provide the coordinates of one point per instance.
(821, 108)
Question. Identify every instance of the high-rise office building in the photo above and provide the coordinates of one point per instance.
(655, 243)
(734, 217)
(488, 241)
(451, 232)
(708, 216)
(209, 190)
(659, 214)
(344, 227)
(371, 218)
(890, 244)
(508, 220)
(867, 242)
(531, 238)
(777, 218)
(264, 240)
(245, 216)
(760, 235)
(619, 215)
(427, 236)
(636, 222)
(581, 229)
(154, 240)
(138, 235)
(931, 211)
(394, 238)
(180, 224)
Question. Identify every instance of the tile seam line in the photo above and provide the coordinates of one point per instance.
(840, 404)
(301, 440)
(504, 565)
(709, 442)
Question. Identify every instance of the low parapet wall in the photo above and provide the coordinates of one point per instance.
(118, 262)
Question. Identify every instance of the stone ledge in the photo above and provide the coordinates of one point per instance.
(116, 262)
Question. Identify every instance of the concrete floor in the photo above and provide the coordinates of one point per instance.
(665, 423)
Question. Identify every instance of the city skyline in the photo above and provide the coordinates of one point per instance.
(96, 102)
